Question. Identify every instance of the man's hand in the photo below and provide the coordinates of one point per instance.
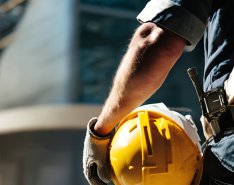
(207, 131)
(229, 88)
(95, 157)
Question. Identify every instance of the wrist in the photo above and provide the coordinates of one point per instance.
(95, 132)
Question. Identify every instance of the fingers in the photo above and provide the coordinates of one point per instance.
(206, 127)
(229, 88)
(93, 175)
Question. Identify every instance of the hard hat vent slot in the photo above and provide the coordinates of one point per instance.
(132, 128)
(149, 148)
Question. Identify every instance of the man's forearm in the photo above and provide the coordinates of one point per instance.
(150, 56)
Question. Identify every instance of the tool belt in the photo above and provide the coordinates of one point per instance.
(214, 106)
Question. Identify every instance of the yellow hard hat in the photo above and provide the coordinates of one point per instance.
(155, 146)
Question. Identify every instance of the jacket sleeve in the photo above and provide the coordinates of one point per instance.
(187, 18)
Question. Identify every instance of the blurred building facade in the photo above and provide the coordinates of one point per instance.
(68, 52)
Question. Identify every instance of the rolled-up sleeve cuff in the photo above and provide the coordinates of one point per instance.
(174, 18)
